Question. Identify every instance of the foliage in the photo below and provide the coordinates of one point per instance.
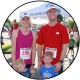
(6, 48)
(70, 24)
(8, 23)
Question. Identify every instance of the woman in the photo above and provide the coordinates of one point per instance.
(24, 43)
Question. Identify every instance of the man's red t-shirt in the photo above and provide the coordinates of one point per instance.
(53, 37)
(15, 26)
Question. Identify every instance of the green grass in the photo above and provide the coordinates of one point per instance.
(6, 48)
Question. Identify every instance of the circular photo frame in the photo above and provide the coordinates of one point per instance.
(40, 40)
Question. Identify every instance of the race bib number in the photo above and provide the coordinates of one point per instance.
(53, 51)
(25, 53)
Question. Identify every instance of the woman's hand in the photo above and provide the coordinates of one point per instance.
(14, 66)
(32, 67)
(32, 70)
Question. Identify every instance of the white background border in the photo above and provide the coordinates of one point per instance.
(7, 6)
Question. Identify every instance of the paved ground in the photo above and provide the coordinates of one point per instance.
(6, 38)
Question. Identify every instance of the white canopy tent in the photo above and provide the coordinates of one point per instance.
(38, 14)
(39, 21)
(41, 11)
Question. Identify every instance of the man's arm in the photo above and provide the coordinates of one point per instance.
(40, 42)
(39, 51)
(63, 53)
(65, 41)
(64, 50)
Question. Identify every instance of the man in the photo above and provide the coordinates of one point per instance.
(15, 25)
(54, 37)
(59, 18)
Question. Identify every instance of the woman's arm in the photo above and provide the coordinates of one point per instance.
(34, 47)
(14, 36)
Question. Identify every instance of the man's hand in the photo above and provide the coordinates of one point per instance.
(58, 66)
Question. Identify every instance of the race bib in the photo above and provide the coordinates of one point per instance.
(25, 53)
(53, 51)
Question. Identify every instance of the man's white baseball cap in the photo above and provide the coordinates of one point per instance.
(51, 7)
(24, 14)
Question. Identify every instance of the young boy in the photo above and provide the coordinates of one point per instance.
(47, 70)
(20, 64)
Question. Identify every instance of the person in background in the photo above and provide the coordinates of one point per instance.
(15, 25)
(10, 32)
(71, 46)
(59, 18)
(2, 42)
(76, 37)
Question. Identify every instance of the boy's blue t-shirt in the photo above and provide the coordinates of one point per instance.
(48, 72)
(27, 73)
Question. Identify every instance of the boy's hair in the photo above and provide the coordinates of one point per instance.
(48, 54)
(19, 61)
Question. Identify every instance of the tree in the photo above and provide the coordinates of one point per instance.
(8, 23)
(70, 24)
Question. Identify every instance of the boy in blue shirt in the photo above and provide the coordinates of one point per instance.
(20, 64)
(47, 70)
